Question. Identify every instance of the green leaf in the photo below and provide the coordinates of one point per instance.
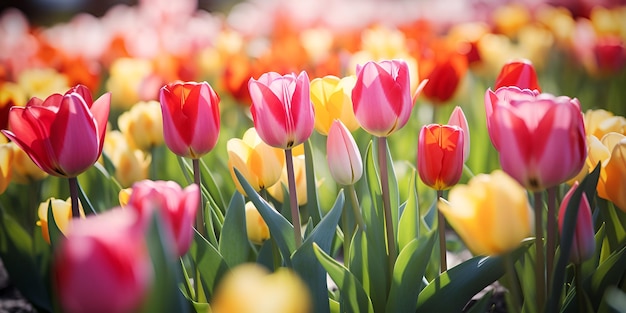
(408, 228)
(212, 188)
(369, 265)
(280, 229)
(408, 272)
(453, 289)
(208, 261)
(314, 274)
(234, 245)
(54, 233)
(482, 305)
(87, 207)
(312, 205)
(609, 273)
(354, 297)
(614, 301)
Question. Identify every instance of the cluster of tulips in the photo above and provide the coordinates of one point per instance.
(181, 203)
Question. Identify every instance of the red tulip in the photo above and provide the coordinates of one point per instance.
(177, 207)
(63, 134)
(191, 118)
(440, 155)
(281, 109)
(583, 243)
(444, 68)
(520, 73)
(382, 96)
(540, 137)
(103, 265)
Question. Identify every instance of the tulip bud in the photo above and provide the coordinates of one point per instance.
(256, 227)
(131, 164)
(331, 99)
(519, 73)
(440, 155)
(142, 125)
(457, 118)
(280, 292)
(491, 213)
(343, 156)
(103, 264)
(583, 242)
(62, 212)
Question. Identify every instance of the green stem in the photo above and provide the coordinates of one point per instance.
(513, 285)
(74, 195)
(580, 293)
(347, 235)
(293, 198)
(154, 166)
(441, 229)
(540, 280)
(551, 234)
(384, 181)
(356, 208)
(200, 215)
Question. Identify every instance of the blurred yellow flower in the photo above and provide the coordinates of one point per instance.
(332, 99)
(62, 212)
(12, 94)
(125, 81)
(250, 288)
(258, 162)
(601, 122)
(42, 82)
(559, 21)
(131, 165)
(511, 18)
(299, 169)
(6, 162)
(142, 125)
(124, 196)
(256, 227)
(491, 213)
(24, 170)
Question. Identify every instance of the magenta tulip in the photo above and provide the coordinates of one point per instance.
(540, 137)
(583, 242)
(191, 118)
(519, 73)
(281, 109)
(63, 134)
(103, 265)
(382, 96)
(177, 207)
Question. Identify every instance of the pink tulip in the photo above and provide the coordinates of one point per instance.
(457, 118)
(177, 207)
(519, 73)
(103, 265)
(382, 96)
(281, 109)
(191, 118)
(440, 155)
(63, 134)
(343, 156)
(540, 137)
(583, 243)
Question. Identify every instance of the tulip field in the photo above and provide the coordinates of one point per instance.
(316, 156)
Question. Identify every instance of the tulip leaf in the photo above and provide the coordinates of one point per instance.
(209, 262)
(234, 245)
(408, 227)
(87, 206)
(312, 205)
(314, 274)
(212, 188)
(408, 272)
(609, 273)
(54, 233)
(280, 229)
(453, 289)
(354, 297)
(16, 252)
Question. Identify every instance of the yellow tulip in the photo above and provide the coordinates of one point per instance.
(142, 125)
(131, 165)
(250, 288)
(125, 81)
(24, 170)
(331, 97)
(610, 152)
(12, 94)
(6, 162)
(42, 82)
(258, 162)
(510, 19)
(491, 213)
(256, 227)
(601, 122)
(62, 212)
(299, 169)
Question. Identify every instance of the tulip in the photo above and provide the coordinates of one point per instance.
(191, 118)
(331, 100)
(256, 228)
(62, 212)
(131, 164)
(24, 170)
(491, 213)
(343, 156)
(440, 155)
(382, 96)
(280, 292)
(63, 134)
(444, 68)
(258, 162)
(40, 82)
(299, 168)
(142, 125)
(6, 162)
(124, 195)
(610, 152)
(583, 242)
(281, 109)
(176, 206)
(103, 265)
(601, 122)
(11, 94)
(540, 137)
(519, 73)
(457, 118)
